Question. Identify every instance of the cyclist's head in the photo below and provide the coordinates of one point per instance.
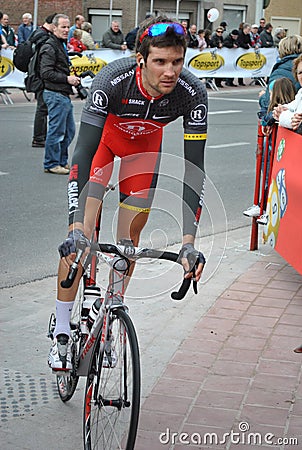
(159, 32)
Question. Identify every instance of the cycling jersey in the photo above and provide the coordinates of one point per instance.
(131, 122)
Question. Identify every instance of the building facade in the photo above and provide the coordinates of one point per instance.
(131, 12)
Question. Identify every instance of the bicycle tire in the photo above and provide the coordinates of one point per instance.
(112, 395)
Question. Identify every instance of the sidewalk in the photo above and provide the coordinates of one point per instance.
(236, 370)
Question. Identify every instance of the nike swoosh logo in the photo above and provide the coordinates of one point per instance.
(136, 193)
(155, 117)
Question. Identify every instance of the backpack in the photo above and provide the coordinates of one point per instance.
(33, 82)
(23, 54)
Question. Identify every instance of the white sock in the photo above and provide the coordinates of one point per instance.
(63, 313)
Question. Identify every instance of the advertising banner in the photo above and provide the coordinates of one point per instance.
(210, 63)
(283, 231)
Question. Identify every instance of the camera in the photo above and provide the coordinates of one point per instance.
(82, 92)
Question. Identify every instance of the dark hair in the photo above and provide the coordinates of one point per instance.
(283, 92)
(168, 39)
(50, 18)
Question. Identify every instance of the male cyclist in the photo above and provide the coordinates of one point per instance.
(130, 102)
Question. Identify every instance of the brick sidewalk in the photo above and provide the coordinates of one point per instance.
(236, 369)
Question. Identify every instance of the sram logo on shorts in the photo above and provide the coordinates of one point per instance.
(100, 99)
(138, 127)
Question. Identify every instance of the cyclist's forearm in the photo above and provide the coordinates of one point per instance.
(193, 187)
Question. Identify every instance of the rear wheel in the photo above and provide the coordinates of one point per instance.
(112, 394)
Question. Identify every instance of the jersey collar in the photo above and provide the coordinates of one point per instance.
(141, 87)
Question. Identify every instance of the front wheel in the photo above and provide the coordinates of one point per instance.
(112, 394)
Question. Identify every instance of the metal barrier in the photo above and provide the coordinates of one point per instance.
(262, 182)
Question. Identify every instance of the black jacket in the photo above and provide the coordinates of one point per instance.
(244, 40)
(229, 42)
(54, 66)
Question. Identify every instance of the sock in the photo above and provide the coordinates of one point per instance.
(63, 313)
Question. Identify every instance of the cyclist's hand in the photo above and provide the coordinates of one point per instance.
(192, 261)
(69, 246)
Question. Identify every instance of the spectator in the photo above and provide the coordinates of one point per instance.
(39, 37)
(202, 43)
(7, 31)
(290, 114)
(76, 41)
(26, 28)
(184, 23)
(217, 41)
(3, 43)
(78, 21)
(207, 36)
(290, 48)
(262, 23)
(279, 34)
(231, 41)
(244, 41)
(224, 25)
(131, 36)
(87, 38)
(114, 38)
(281, 91)
(55, 73)
(266, 36)
(192, 37)
(255, 37)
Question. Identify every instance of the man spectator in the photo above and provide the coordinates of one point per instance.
(7, 31)
(231, 42)
(244, 41)
(184, 23)
(192, 37)
(262, 23)
(255, 37)
(266, 36)
(3, 43)
(278, 35)
(131, 36)
(217, 41)
(114, 38)
(55, 73)
(26, 28)
(87, 38)
(39, 37)
(78, 21)
(224, 25)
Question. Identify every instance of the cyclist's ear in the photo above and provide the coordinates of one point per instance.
(140, 60)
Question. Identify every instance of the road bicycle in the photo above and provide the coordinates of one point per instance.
(108, 353)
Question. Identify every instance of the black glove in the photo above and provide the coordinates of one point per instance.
(71, 244)
(193, 256)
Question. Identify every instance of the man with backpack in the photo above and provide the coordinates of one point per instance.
(39, 37)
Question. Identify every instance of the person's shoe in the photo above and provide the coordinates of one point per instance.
(59, 357)
(241, 84)
(298, 349)
(231, 84)
(262, 220)
(252, 211)
(39, 144)
(58, 170)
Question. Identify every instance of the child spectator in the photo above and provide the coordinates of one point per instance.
(76, 43)
(202, 44)
(281, 91)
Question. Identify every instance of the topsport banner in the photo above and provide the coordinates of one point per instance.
(283, 231)
(210, 63)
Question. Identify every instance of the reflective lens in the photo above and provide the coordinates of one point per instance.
(160, 28)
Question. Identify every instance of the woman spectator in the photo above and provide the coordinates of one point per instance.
(290, 114)
(278, 35)
(202, 44)
(87, 38)
(290, 48)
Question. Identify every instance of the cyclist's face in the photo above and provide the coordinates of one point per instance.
(161, 70)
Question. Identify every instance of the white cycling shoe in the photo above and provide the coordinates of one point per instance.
(59, 357)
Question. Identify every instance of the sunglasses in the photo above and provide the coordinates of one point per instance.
(158, 29)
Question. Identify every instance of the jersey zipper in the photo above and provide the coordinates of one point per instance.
(148, 109)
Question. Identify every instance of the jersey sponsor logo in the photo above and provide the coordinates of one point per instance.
(164, 102)
(73, 195)
(198, 114)
(155, 117)
(97, 174)
(122, 77)
(132, 101)
(137, 127)
(100, 99)
(186, 85)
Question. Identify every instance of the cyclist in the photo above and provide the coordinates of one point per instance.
(130, 102)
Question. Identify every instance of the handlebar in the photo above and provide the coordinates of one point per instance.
(128, 251)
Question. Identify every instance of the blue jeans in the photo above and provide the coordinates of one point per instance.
(61, 129)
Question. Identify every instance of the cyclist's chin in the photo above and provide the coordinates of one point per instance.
(167, 88)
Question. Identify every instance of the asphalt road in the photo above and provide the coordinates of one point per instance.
(34, 204)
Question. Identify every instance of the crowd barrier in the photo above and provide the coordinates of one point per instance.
(210, 63)
(283, 208)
